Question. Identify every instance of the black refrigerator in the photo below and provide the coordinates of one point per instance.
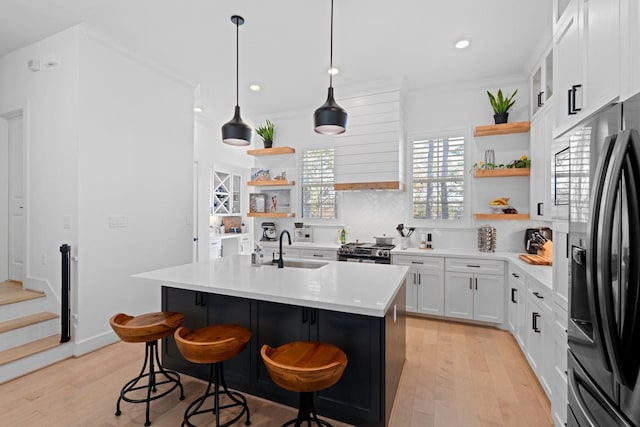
(604, 293)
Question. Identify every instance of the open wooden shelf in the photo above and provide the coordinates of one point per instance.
(270, 183)
(502, 129)
(497, 173)
(272, 214)
(271, 151)
(503, 216)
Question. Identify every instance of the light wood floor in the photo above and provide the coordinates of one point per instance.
(455, 375)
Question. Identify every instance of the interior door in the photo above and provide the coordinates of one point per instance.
(17, 226)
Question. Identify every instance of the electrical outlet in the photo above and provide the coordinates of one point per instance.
(66, 222)
(43, 258)
(118, 221)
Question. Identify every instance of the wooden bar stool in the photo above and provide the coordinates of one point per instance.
(305, 367)
(148, 328)
(213, 345)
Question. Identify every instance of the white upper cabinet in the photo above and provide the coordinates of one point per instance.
(629, 48)
(540, 203)
(542, 82)
(586, 61)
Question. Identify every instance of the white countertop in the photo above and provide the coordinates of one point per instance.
(227, 235)
(300, 245)
(367, 289)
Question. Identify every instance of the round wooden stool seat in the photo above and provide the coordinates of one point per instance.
(153, 378)
(146, 327)
(304, 366)
(212, 344)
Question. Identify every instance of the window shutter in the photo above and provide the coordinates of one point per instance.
(318, 195)
(438, 179)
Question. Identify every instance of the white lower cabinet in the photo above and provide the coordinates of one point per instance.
(517, 305)
(425, 284)
(246, 244)
(540, 335)
(472, 295)
(328, 254)
(559, 368)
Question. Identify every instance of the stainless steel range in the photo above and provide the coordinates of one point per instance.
(365, 252)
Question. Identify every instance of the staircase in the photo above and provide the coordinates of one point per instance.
(29, 335)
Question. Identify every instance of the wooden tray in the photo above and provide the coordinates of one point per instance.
(536, 259)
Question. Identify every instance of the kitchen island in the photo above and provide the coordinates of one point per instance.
(357, 307)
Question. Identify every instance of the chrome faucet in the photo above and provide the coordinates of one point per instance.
(281, 260)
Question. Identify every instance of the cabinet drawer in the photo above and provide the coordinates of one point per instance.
(425, 262)
(245, 239)
(474, 265)
(318, 254)
(541, 294)
(517, 275)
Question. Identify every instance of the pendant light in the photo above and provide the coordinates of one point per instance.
(330, 118)
(235, 131)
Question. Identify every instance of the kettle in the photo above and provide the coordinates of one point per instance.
(269, 231)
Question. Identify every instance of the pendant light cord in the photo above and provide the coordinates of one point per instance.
(331, 50)
(238, 61)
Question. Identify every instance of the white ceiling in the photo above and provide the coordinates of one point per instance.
(284, 44)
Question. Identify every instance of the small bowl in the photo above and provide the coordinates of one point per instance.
(499, 208)
(298, 224)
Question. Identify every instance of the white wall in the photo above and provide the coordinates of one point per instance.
(49, 100)
(135, 160)
(365, 214)
(4, 198)
(106, 135)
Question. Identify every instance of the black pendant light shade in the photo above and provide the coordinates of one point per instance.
(235, 131)
(330, 118)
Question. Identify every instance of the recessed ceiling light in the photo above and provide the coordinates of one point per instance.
(198, 109)
(333, 71)
(461, 44)
(254, 87)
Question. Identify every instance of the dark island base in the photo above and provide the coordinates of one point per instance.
(375, 347)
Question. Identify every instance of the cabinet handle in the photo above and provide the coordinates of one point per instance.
(476, 283)
(415, 280)
(572, 99)
(417, 262)
(305, 315)
(534, 321)
(513, 295)
(517, 276)
(314, 316)
(473, 266)
(318, 255)
(419, 279)
(471, 283)
(537, 294)
(540, 209)
(566, 248)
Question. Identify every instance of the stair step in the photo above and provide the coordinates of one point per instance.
(12, 292)
(28, 349)
(21, 322)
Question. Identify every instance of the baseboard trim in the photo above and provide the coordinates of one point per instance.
(93, 343)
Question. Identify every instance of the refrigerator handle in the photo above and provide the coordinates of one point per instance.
(592, 255)
(625, 153)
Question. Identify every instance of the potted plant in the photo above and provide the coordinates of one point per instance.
(501, 105)
(266, 133)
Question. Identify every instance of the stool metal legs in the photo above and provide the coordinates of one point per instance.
(153, 375)
(216, 379)
(306, 413)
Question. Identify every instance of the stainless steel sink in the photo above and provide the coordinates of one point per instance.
(300, 264)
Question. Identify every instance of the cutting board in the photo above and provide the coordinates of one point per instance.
(536, 259)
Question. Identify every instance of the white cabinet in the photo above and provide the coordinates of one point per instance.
(629, 48)
(246, 244)
(474, 289)
(540, 335)
(327, 254)
(225, 193)
(561, 264)
(542, 82)
(586, 46)
(230, 244)
(540, 191)
(215, 248)
(517, 305)
(425, 283)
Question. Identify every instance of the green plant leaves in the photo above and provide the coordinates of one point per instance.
(501, 103)
(266, 131)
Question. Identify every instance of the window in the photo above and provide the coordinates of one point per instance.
(318, 195)
(438, 178)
